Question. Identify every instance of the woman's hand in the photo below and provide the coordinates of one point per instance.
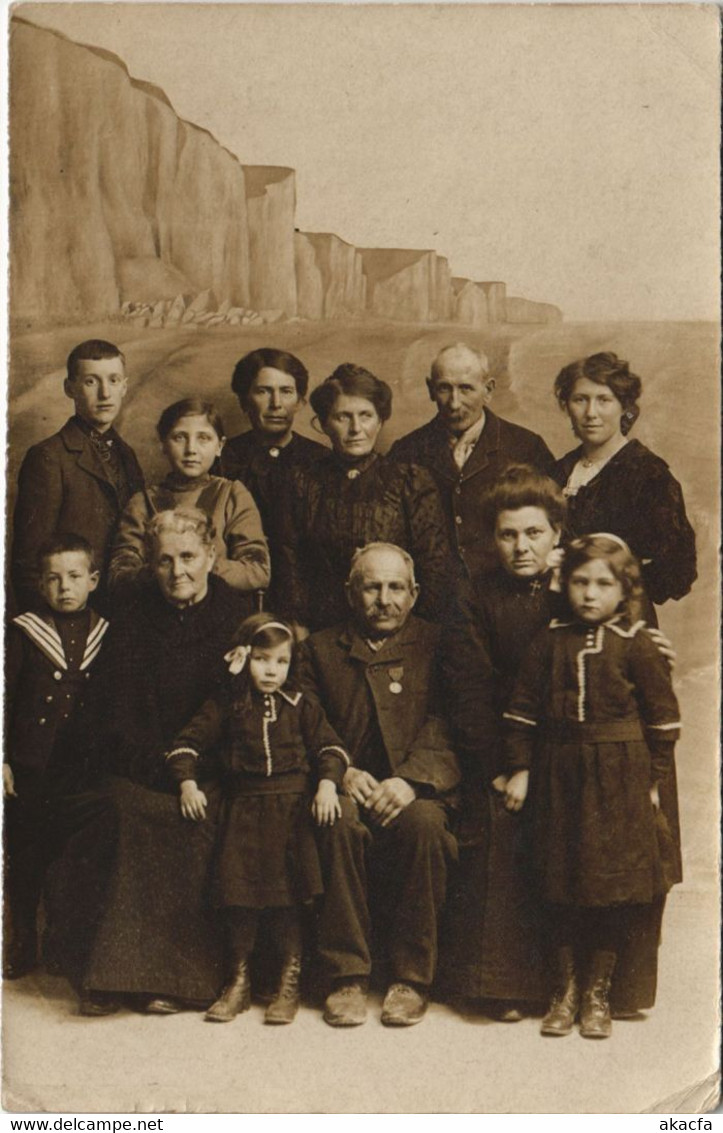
(359, 785)
(663, 645)
(655, 797)
(326, 807)
(300, 632)
(499, 784)
(516, 792)
(193, 801)
(9, 782)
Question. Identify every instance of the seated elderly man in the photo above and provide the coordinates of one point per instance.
(376, 677)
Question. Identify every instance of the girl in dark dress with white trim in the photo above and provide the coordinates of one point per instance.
(592, 725)
(270, 736)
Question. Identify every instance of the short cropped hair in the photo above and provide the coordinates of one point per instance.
(521, 485)
(618, 556)
(92, 350)
(438, 363)
(361, 552)
(248, 367)
(606, 369)
(189, 407)
(179, 521)
(63, 542)
(352, 381)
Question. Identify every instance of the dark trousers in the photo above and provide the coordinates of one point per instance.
(39, 823)
(409, 860)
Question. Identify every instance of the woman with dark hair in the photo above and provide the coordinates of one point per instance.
(616, 484)
(492, 944)
(355, 496)
(156, 938)
(271, 387)
(192, 437)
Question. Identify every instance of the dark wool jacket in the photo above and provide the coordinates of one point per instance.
(158, 666)
(500, 444)
(63, 486)
(356, 688)
(329, 513)
(44, 695)
(635, 497)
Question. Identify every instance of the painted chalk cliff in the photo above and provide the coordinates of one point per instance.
(118, 205)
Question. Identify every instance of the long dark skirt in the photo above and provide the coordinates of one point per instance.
(156, 933)
(491, 944)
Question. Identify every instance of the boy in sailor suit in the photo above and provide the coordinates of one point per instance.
(49, 658)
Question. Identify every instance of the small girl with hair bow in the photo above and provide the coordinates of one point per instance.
(270, 736)
(592, 726)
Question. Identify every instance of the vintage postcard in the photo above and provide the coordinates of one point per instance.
(296, 827)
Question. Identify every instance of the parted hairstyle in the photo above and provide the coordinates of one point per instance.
(63, 542)
(93, 350)
(250, 365)
(189, 407)
(521, 485)
(606, 369)
(179, 521)
(353, 381)
(620, 559)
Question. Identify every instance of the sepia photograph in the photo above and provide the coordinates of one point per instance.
(362, 593)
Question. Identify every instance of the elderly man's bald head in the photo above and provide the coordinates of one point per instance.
(460, 387)
(462, 358)
(381, 589)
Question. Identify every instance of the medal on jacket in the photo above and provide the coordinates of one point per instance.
(395, 679)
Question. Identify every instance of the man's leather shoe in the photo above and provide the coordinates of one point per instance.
(346, 1006)
(95, 1004)
(403, 1006)
(160, 1005)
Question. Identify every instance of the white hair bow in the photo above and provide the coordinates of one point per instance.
(237, 658)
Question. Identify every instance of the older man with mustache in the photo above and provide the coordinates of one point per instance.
(376, 677)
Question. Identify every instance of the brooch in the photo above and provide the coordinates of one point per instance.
(274, 451)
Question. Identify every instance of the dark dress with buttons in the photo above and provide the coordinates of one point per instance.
(266, 853)
(332, 509)
(601, 701)
(49, 660)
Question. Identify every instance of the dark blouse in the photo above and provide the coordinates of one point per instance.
(264, 469)
(333, 509)
(635, 497)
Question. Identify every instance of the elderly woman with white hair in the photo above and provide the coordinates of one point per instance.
(155, 938)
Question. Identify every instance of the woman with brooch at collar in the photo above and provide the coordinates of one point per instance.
(270, 386)
(352, 497)
(492, 939)
(616, 484)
